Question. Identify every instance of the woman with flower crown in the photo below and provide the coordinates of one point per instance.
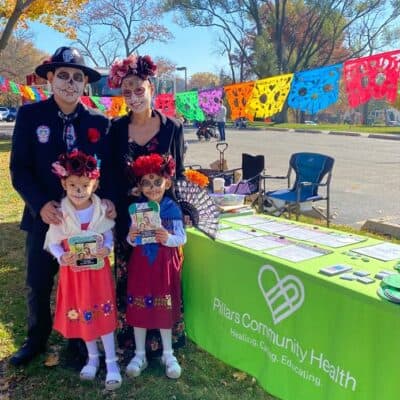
(141, 132)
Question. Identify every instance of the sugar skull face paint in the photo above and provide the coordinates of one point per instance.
(79, 190)
(154, 186)
(137, 93)
(68, 84)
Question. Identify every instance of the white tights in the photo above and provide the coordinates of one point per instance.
(109, 349)
(140, 341)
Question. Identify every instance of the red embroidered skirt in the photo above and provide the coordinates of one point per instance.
(85, 305)
(154, 289)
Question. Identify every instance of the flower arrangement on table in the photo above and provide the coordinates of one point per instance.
(197, 178)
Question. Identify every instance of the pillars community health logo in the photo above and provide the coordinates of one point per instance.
(283, 296)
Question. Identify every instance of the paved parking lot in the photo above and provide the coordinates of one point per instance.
(365, 182)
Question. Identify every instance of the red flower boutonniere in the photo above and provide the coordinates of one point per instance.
(93, 135)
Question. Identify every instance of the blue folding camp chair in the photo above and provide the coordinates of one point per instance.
(310, 170)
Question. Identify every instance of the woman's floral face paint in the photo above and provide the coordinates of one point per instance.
(68, 84)
(137, 93)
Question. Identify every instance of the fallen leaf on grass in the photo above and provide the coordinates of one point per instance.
(52, 360)
(4, 385)
(240, 376)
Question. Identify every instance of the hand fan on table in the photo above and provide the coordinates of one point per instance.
(198, 204)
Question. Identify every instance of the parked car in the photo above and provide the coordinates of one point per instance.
(240, 123)
(8, 114)
(12, 114)
(3, 113)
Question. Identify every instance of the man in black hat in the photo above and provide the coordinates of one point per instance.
(42, 132)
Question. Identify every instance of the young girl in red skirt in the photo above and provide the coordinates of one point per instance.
(85, 305)
(154, 269)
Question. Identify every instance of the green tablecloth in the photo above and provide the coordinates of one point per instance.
(303, 335)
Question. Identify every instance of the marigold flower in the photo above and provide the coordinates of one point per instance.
(197, 178)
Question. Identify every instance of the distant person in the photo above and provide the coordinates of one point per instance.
(43, 130)
(220, 118)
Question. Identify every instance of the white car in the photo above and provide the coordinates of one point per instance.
(3, 113)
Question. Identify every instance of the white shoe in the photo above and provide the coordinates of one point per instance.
(88, 372)
(136, 366)
(172, 368)
(113, 379)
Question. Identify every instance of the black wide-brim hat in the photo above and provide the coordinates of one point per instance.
(67, 57)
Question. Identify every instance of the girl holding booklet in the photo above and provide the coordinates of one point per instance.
(85, 305)
(154, 269)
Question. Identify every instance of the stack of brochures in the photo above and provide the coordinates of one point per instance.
(390, 288)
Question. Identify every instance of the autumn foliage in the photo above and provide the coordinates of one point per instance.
(56, 14)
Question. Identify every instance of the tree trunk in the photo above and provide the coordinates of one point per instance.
(20, 7)
(364, 113)
(5, 36)
(282, 117)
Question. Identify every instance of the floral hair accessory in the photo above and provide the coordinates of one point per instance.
(76, 163)
(197, 178)
(153, 164)
(143, 67)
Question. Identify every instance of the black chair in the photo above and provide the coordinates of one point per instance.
(312, 171)
(250, 183)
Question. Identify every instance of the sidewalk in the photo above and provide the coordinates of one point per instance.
(388, 226)
(392, 136)
(6, 130)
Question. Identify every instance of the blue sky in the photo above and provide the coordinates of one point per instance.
(193, 48)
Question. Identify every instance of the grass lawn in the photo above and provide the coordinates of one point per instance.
(327, 127)
(203, 376)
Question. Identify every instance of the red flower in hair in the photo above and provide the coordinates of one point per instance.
(154, 164)
(76, 163)
(93, 135)
(143, 67)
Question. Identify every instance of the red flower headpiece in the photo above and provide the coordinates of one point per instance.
(76, 163)
(153, 164)
(143, 67)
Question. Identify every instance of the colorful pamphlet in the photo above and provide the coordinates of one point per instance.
(145, 217)
(85, 247)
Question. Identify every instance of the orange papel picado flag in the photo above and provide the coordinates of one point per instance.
(237, 95)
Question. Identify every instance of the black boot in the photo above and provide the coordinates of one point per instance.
(27, 352)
